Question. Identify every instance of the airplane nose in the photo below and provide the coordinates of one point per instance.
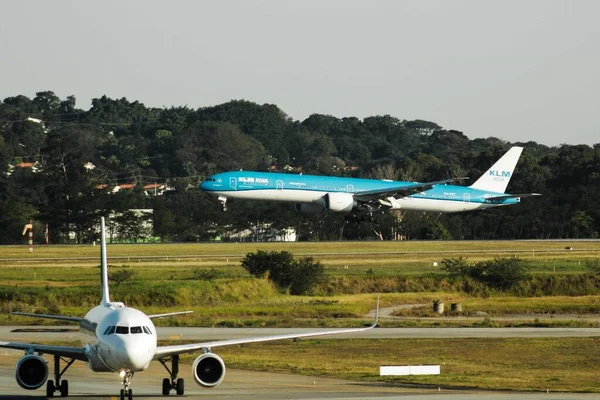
(134, 356)
(204, 185)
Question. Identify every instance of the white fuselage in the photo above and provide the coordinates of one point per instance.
(119, 338)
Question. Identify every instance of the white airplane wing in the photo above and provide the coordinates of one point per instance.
(165, 351)
(77, 353)
(401, 191)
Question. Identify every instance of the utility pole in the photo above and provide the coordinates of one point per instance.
(29, 227)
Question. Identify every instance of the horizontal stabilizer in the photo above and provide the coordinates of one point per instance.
(169, 314)
(512, 196)
(48, 316)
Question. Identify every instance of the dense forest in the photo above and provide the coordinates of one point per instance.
(59, 165)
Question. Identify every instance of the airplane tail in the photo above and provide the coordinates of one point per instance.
(103, 264)
(497, 177)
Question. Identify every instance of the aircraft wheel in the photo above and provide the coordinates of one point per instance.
(122, 394)
(64, 388)
(166, 387)
(50, 389)
(130, 394)
(180, 387)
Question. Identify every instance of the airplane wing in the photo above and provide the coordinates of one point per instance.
(169, 314)
(401, 191)
(165, 351)
(77, 353)
(48, 316)
(511, 196)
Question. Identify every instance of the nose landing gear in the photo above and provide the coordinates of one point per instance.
(126, 392)
(223, 201)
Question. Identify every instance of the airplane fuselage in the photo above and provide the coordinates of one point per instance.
(118, 338)
(311, 189)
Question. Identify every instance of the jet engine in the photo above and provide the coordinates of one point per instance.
(209, 370)
(32, 372)
(340, 202)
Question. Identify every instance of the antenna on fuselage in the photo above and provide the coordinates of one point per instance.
(103, 264)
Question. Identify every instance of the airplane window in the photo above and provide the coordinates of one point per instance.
(107, 330)
(147, 330)
(136, 329)
(123, 330)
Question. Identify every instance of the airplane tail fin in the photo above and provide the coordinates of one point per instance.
(103, 264)
(497, 177)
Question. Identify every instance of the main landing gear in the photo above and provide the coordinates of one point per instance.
(172, 383)
(223, 201)
(60, 386)
(126, 392)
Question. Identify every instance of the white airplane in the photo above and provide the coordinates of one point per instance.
(123, 340)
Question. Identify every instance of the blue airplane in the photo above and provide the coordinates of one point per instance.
(312, 193)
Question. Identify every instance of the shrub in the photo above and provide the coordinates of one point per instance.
(297, 276)
(121, 276)
(593, 265)
(261, 262)
(499, 273)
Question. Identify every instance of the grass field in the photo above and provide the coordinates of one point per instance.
(566, 364)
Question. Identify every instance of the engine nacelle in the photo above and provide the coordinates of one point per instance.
(340, 202)
(310, 207)
(209, 370)
(32, 372)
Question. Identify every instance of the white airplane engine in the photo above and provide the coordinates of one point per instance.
(310, 207)
(32, 372)
(340, 202)
(209, 370)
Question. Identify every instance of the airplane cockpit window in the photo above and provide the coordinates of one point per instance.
(123, 330)
(136, 329)
(110, 330)
(146, 330)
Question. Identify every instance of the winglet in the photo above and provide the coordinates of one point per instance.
(376, 313)
(103, 264)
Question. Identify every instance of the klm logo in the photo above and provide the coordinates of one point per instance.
(499, 174)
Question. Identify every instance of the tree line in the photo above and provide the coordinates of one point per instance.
(59, 164)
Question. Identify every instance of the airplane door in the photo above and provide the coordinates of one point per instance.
(350, 189)
(233, 183)
(279, 185)
(466, 198)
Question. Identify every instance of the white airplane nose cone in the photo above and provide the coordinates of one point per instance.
(133, 355)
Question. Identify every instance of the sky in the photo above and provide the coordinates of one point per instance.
(518, 70)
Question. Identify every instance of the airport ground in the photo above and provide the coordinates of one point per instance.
(571, 345)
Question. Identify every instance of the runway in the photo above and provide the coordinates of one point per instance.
(253, 385)
(250, 385)
(31, 333)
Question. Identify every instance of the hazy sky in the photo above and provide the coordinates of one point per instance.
(518, 70)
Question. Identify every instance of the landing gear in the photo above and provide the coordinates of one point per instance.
(60, 386)
(126, 392)
(223, 201)
(172, 383)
